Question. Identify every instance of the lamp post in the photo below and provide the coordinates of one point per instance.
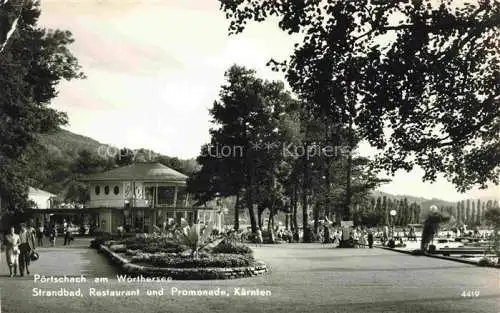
(433, 209)
(392, 213)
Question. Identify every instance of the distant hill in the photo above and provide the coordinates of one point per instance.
(52, 166)
(424, 203)
(67, 144)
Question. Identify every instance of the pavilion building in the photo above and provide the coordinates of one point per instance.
(141, 195)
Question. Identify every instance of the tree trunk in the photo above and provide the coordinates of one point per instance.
(295, 224)
(249, 188)
(251, 213)
(237, 212)
(287, 221)
(316, 219)
(305, 188)
(270, 225)
(348, 196)
(260, 222)
(327, 173)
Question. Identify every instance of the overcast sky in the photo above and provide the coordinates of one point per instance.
(154, 69)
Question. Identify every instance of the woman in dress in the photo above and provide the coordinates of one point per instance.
(12, 242)
(258, 237)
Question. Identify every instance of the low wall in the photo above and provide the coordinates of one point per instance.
(437, 256)
(259, 268)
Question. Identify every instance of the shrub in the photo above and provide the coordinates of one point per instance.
(152, 244)
(132, 252)
(391, 244)
(104, 237)
(162, 248)
(146, 257)
(204, 261)
(232, 248)
(195, 237)
(119, 248)
(484, 261)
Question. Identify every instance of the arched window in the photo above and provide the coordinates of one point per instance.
(106, 190)
(116, 190)
(97, 190)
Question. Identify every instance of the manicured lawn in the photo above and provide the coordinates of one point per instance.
(303, 278)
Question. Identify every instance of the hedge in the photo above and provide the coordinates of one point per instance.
(217, 260)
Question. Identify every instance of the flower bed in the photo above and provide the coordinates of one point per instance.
(159, 256)
(151, 244)
(216, 260)
(233, 248)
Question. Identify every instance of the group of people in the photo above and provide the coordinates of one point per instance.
(19, 248)
(361, 237)
(50, 232)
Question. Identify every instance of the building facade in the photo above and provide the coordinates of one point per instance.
(143, 195)
(42, 199)
(39, 212)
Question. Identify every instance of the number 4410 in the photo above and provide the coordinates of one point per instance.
(470, 293)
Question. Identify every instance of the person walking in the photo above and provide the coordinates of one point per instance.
(26, 247)
(11, 244)
(67, 234)
(370, 239)
(259, 238)
(326, 233)
(39, 235)
(385, 235)
(53, 235)
(411, 234)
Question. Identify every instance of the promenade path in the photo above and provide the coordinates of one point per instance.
(303, 278)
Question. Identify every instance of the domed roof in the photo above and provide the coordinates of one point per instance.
(155, 172)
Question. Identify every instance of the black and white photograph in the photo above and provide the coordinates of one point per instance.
(249, 156)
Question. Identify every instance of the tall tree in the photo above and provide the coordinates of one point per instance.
(434, 85)
(483, 210)
(242, 155)
(32, 63)
(378, 206)
(473, 212)
(406, 213)
(478, 212)
(467, 218)
(125, 157)
(492, 217)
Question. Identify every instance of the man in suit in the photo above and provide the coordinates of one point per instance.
(26, 246)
